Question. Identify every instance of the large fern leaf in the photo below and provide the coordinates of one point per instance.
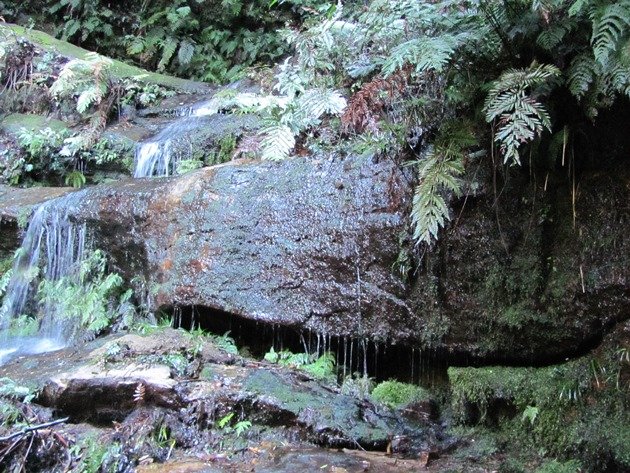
(314, 103)
(437, 174)
(610, 23)
(169, 46)
(425, 53)
(185, 52)
(581, 74)
(520, 117)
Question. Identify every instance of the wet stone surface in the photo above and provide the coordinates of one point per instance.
(130, 387)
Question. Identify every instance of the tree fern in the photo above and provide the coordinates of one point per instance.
(519, 116)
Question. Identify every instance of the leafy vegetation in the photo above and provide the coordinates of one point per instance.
(575, 410)
(536, 72)
(210, 41)
(53, 156)
(396, 394)
(90, 302)
(321, 367)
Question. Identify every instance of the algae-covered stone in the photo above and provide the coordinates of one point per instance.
(332, 418)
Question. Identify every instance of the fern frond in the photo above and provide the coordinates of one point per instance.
(136, 45)
(551, 37)
(620, 79)
(520, 117)
(578, 7)
(581, 74)
(426, 53)
(169, 46)
(437, 175)
(185, 52)
(314, 103)
(610, 23)
(277, 142)
(87, 98)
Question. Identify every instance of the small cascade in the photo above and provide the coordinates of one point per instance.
(53, 248)
(159, 156)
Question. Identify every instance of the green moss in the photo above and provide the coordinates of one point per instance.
(119, 68)
(14, 122)
(576, 408)
(397, 394)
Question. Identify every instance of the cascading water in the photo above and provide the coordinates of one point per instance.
(53, 248)
(159, 156)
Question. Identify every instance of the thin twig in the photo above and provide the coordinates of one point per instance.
(33, 428)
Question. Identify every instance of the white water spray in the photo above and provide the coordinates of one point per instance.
(53, 248)
(159, 156)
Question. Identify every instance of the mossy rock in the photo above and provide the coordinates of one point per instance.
(119, 68)
(572, 410)
(13, 123)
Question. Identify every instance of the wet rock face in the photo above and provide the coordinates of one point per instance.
(310, 243)
(303, 242)
(541, 277)
(98, 388)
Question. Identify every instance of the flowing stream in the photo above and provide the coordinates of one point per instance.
(160, 155)
(53, 248)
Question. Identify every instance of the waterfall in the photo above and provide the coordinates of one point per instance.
(53, 248)
(159, 155)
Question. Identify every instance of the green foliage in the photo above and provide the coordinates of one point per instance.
(5, 274)
(555, 466)
(22, 326)
(87, 81)
(49, 154)
(530, 413)
(95, 298)
(145, 327)
(93, 455)
(319, 367)
(187, 165)
(289, 115)
(225, 342)
(211, 41)
(239, 428)
(11, 390)
(396, 394)
(176, 361)
(142, 94)
(519, 116)
(75, 179)
(438, 173)
(357, 385)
